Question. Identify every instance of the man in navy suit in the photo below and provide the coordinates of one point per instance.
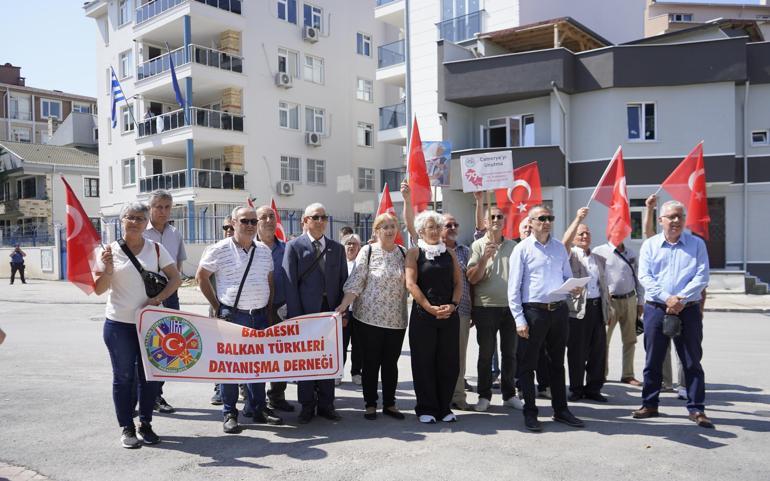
(316, 269)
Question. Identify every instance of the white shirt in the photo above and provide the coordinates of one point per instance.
(126, 294)
(321, 239)
(589, 262)
(228, 261)
(170, 238)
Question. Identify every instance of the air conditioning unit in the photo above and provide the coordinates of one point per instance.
(310, 34)
(285, 188)
(313, 138)
(283, 80)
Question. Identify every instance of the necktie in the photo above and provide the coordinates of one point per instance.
(317, 248)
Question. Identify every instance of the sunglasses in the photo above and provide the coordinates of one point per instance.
(248, 221)
(544, 218)
(227, 228)
(135, 218)
(452, 225)
(318, 217)
(497, 217)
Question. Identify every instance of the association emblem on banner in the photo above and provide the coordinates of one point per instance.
(173, 344)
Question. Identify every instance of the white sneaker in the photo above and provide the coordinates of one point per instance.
(357, 379)
(337, 382)
(449, 418)
(128, 438)
(514, 402)
(482, 405)
(427, 419)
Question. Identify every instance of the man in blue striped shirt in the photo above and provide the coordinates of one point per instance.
(674, 270)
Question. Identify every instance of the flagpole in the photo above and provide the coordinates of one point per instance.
(125, 99)
(601, 179)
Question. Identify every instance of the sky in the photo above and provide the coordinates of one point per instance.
(60, 53)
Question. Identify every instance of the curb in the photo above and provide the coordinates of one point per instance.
(742, 310)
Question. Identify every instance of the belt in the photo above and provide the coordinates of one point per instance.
(594, 301)
(624, 296)
(251, 312)
(663, 306)
(549, 306)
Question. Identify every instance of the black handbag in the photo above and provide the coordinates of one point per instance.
(672, 325)
(639, 327)
(154, 283)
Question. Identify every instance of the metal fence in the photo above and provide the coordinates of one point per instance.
(27, 235)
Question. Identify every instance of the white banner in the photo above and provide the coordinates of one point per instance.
(181, 346)
(487, 171)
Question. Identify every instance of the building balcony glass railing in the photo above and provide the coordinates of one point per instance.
(154, 8)
(16, 115)
(390, 54)
(198, 116)
(460, 29)
(202, 178)
(201, 55)
(393, 116)
(393, 177)
(384, 2)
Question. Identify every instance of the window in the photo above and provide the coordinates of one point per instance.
(312, 16)
(314, 69)
(50, 108)
(458, 8)
(288, 62)
(82, 108)
(364, 90)
(314, 120)
(125, 64)
(21, 134)
(290, 168)
(641, 121)
(124, 12)
(288, 115)
(110, 179)
(316, 171)
(27, 188)
(637, 209)
(509, 131)
(126, 121)
(365, 179)
(287, 10)
(90, 187)
(365, 134)
(680, 17)
(96, 134)
(364, 44)
(527, 130)
(129, 172)
(759, 137)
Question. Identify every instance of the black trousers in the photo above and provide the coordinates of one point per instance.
(277, 391)
(317, 394)
(351, 338)
(435, 351)
(549, 328)
(17, 268)
(381, 350)
(587, 350)
(489, 321)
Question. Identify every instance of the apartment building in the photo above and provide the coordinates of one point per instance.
(279, 101)
(29, 114)
(665, 17)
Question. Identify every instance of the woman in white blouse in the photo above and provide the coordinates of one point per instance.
(377, 285)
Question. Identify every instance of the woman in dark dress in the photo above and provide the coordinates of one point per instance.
(433, 278)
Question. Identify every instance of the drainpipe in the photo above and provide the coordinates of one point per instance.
(565, 129)
(745, 178)
(408, 80)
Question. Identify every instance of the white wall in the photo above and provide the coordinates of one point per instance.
(32, 263)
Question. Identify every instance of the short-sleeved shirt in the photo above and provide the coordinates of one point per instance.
(170, 238)
(17, 258)
(228, 261)
(126, 294)
(492, 289)
(378, 281)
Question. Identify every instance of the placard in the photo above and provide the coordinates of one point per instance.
(487, 171)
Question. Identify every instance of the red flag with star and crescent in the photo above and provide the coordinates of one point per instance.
(386, 205)
(82, 241)
(611, 191)
(516, 201)
(687, 184)
(280, 234)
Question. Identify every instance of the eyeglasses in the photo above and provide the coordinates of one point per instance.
(248, 221)
(497, 217)
(544, 218)
(227, 228)
(322, 218)
(452, 225)
(135, 218)
(352, 244)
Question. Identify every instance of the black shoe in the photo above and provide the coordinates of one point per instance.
(281, 405)
(267, 416)
(230, 425)
(596, 396)
(329, 414)
(128, 438)
(162, 406)
(532, 424)
(305, 416)
(468, 386)
(371, 413)
(393, 412)
(575, 397)
(216, 399)
(567, 418)
(146, 434)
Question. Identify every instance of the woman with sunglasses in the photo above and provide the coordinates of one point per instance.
(117, 275)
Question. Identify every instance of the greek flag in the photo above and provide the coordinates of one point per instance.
(116, 93)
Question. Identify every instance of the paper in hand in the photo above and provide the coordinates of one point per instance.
(570, 284)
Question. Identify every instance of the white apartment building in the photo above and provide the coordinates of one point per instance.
(280, 101)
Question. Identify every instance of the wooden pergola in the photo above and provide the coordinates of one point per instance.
(560, 32)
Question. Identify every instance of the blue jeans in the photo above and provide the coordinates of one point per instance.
(125, 353)
(255, 398)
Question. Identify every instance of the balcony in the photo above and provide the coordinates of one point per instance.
(154, 8)
(202, 179)
(199, 55)
(393, 177)
(199, 117)
(391, 66)
(393, 124)
(16, 115)
(390, 12)
(460, 29)
(31, 207)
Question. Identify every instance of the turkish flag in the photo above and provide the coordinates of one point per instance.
(386, 205)
(611, 191)
(250, 202)
(280, 234)
(687, 184)
(82, 241)
(419, 183)
(516, 201)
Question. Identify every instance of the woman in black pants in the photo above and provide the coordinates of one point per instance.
(433, 277)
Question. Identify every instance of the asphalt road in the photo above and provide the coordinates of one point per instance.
(56, 417)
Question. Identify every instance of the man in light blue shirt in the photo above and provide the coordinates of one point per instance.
(674, 270)
(539, 265)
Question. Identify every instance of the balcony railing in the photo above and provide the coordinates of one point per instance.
(393, 177)
(390, 54)
(460, 29)
(154, 8)
(384, 2)
(201, 117)
(200, 55)
(206, 179)
(16, 115)
(393, 116)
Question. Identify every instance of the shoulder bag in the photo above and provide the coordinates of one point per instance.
(154, 283)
